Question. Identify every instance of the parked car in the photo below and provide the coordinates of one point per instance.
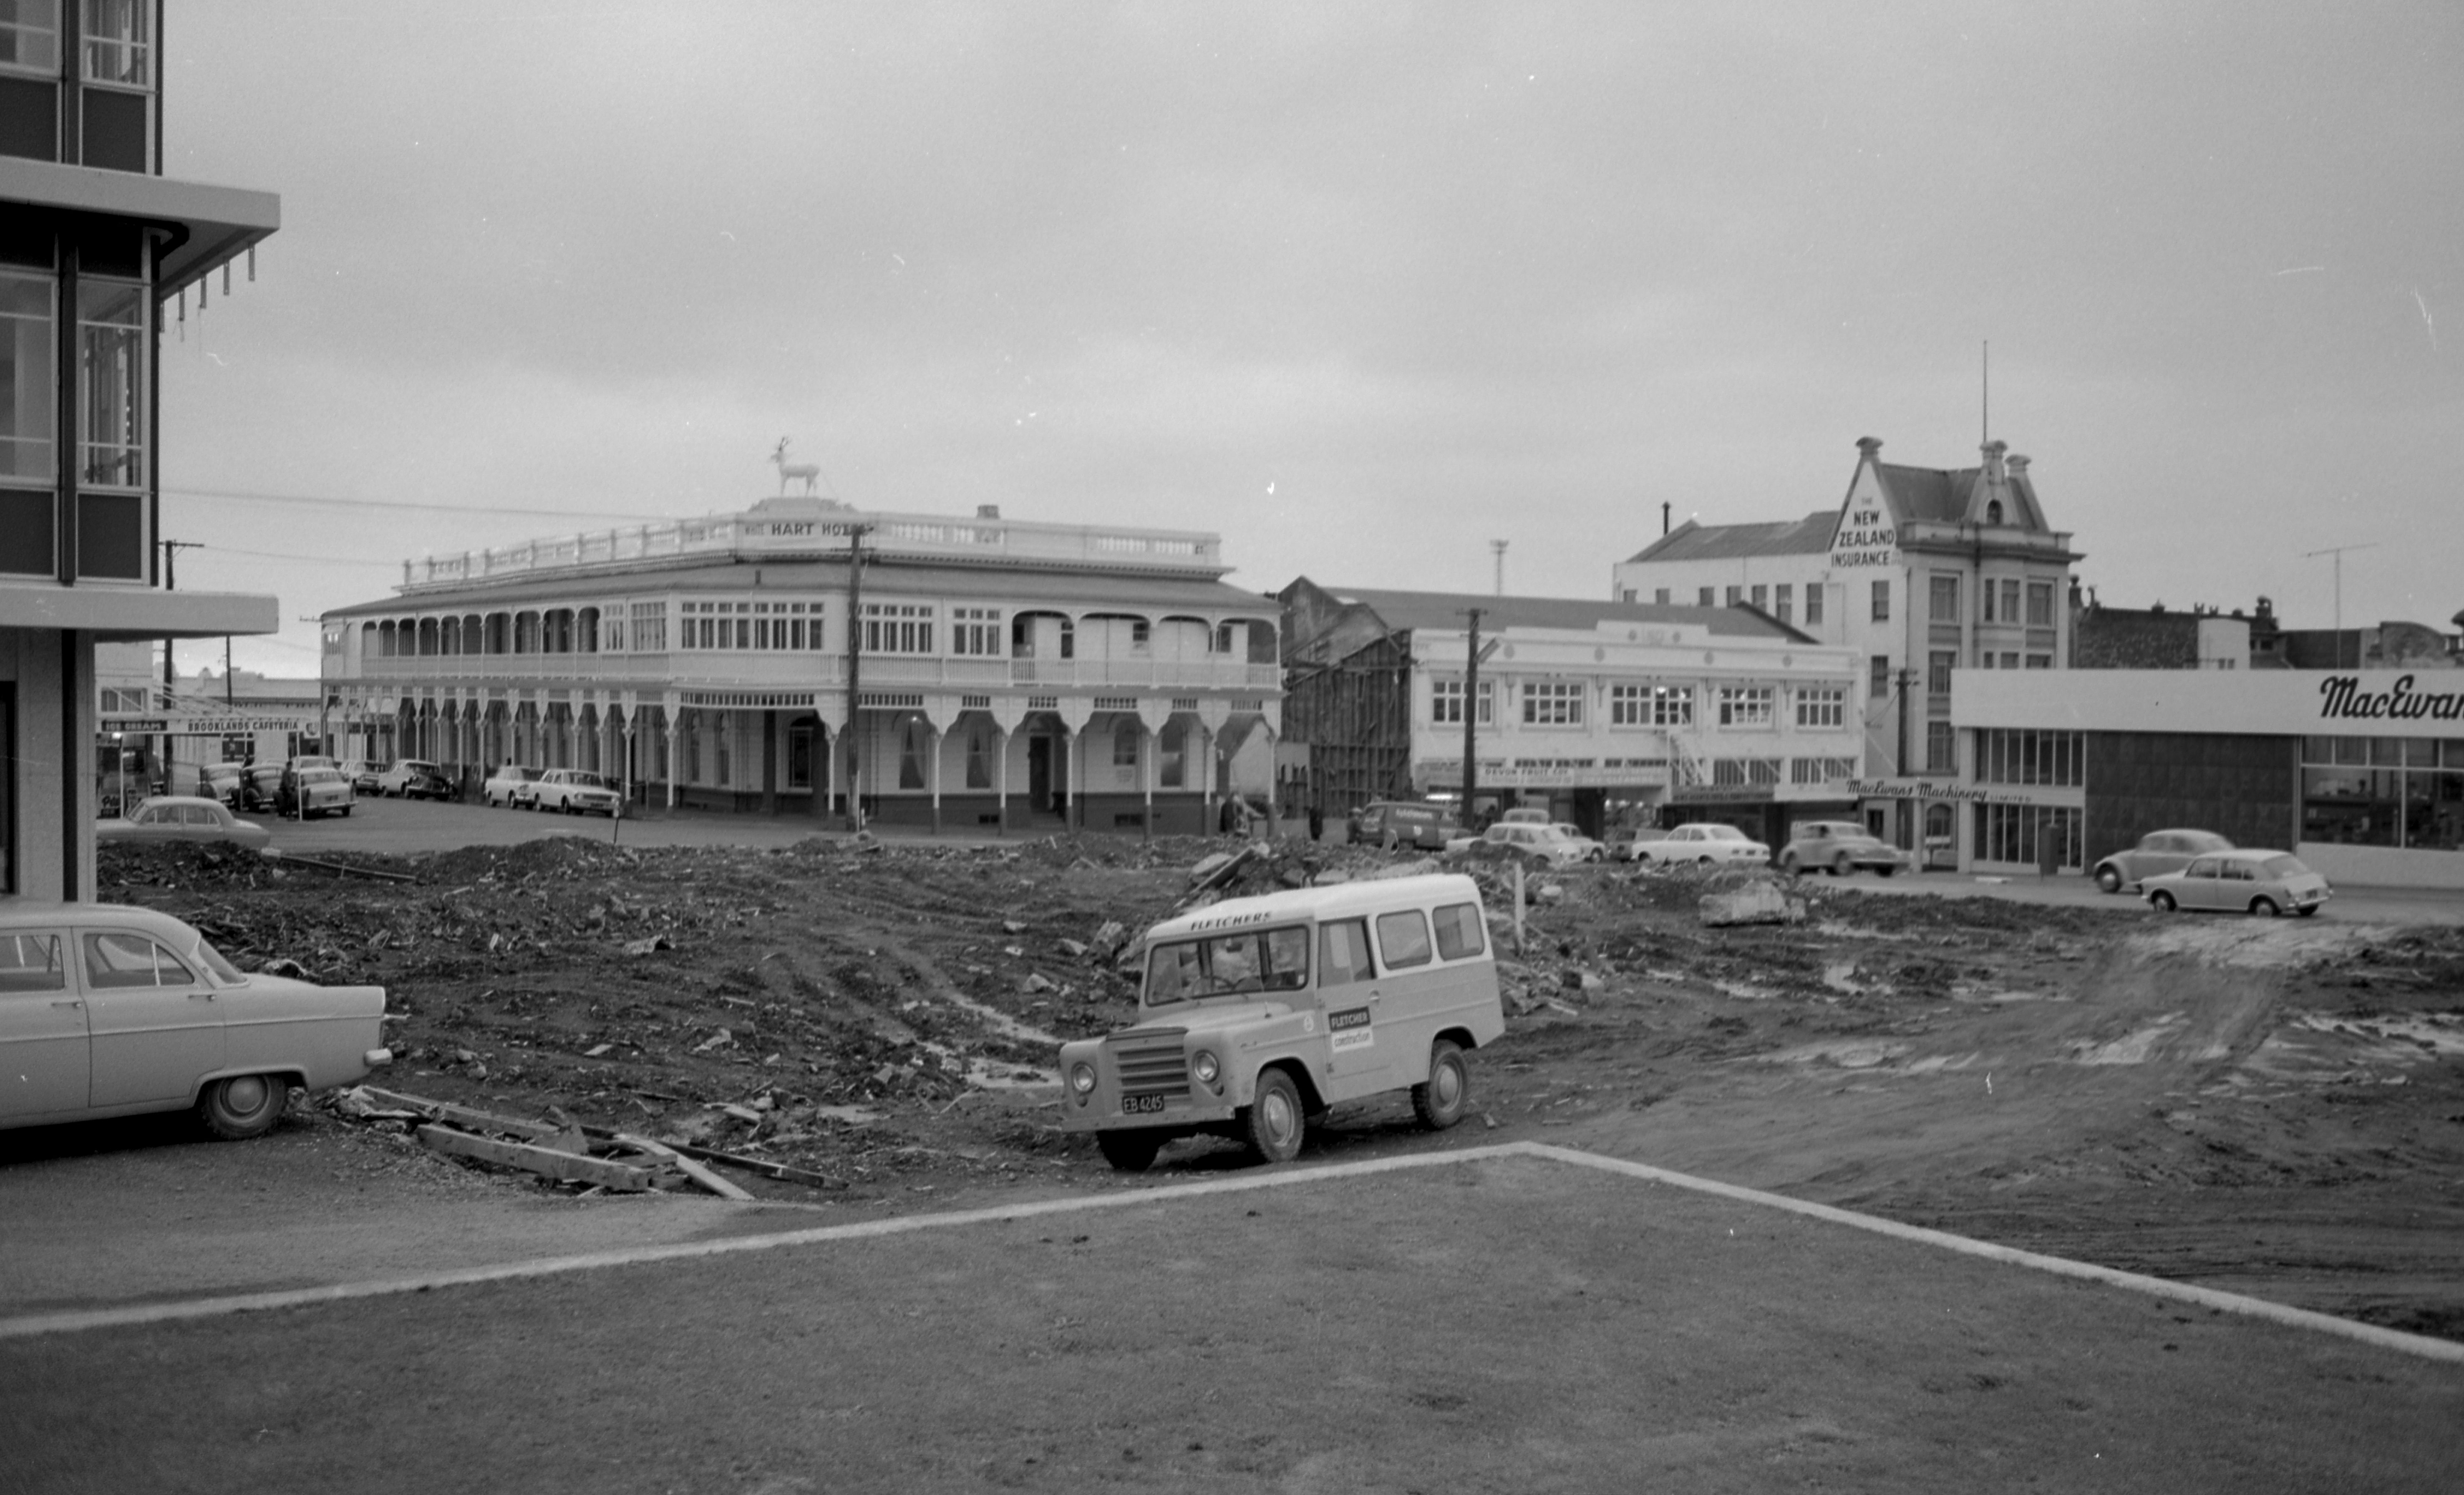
(260, 787)
(2243, 879)
(311, 792)
(415, 778)
(2158, 851)
(1837, 846)
(1523, 815)
(144, 1015)
(511, 785)
(576, 791)
(1258, 1014)
(1704, 844)
(1415, 822)
(363, 775)
(1543, 845)
(1593, 850)
(220, 782)
(181, 817)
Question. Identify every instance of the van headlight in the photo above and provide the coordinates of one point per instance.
(1082, 1077)
(1206, 1067)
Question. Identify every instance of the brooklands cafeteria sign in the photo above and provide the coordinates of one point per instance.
(2341, 698)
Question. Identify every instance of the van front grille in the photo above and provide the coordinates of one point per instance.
(1151, 1062)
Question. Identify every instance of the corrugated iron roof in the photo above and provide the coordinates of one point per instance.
(1401, 610)
(1809, 535)
(893, 579)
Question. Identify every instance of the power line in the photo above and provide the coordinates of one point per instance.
(276, 555)
(321, 502)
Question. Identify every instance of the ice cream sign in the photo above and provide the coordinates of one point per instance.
(1864, 538)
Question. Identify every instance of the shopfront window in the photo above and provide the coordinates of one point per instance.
(2404, 792)
(2021, 833)
(2025, 756)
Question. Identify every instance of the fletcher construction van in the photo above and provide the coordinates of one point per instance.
(1257, 1014)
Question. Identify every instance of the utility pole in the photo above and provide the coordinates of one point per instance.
(171, 549)
(855, 671)
(2337, 551)
(1471, 718)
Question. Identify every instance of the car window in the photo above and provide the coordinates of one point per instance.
(1402, 940)
(1249, 961)
(146, 816)
(198, 815)
(1343, 953)
(1459, 930)
(2238, 872)
(2204, 867)
(30, 963)
(119, 959)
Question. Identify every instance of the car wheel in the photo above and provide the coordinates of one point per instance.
(244, 1106)
(346, 809)
(1701, 861)
(1275, 1122)
(1840, 866)
(2108, 879)
(2264, 908)
(1441, 1101)
(1884, 869)
(2162, 901)
(1129, 1152)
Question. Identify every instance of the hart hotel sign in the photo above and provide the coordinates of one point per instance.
(1864, 538)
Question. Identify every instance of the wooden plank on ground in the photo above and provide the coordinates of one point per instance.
(684, 1165)
(545, 1160)
(464, 1116)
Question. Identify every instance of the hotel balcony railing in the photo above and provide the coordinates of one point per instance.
(784, 670)
(785, 534)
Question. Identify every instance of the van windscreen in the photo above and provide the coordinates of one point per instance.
(1252, 960)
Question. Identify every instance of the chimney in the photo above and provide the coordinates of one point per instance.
(2018, 461)
(988, 511)
(1870, 446)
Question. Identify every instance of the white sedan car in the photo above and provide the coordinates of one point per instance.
(2247, 879)
(1701, 844)
(576, 791)
(109, 1011)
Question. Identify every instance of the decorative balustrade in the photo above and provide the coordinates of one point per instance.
(698, 669)
(786, 528)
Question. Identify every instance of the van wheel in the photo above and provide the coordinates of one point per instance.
(1275, 1124)
(244, 1106)
(1442, 1101)
(1129, 1152)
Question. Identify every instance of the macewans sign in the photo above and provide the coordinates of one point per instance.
(2341, 698)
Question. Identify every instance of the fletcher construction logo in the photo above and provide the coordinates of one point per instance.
(2341, 698)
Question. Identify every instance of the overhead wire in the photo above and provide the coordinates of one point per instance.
(321, 502)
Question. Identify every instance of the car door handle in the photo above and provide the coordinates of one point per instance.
(67, 1004)
(201, 995)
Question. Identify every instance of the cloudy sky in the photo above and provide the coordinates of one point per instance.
(1362, 287)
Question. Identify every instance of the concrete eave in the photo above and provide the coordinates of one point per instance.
(208, 226)
(137, 612)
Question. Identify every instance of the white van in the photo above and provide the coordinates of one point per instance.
(1257, 1014)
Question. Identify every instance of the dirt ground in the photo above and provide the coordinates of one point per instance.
(2271, 1108)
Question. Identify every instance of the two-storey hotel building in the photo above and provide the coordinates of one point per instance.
(975, 672)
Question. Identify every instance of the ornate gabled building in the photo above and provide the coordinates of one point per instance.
(978, 672)
(96, 245)
(1922, 572)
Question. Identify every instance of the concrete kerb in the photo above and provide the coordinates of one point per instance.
(76, 1320)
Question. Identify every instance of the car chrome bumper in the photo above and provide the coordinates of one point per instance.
(377, 1058)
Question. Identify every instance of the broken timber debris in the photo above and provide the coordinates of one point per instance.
(562, 1149)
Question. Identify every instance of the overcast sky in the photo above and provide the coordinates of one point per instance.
(1360, 287)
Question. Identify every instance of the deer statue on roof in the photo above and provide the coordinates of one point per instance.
(809, 472)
